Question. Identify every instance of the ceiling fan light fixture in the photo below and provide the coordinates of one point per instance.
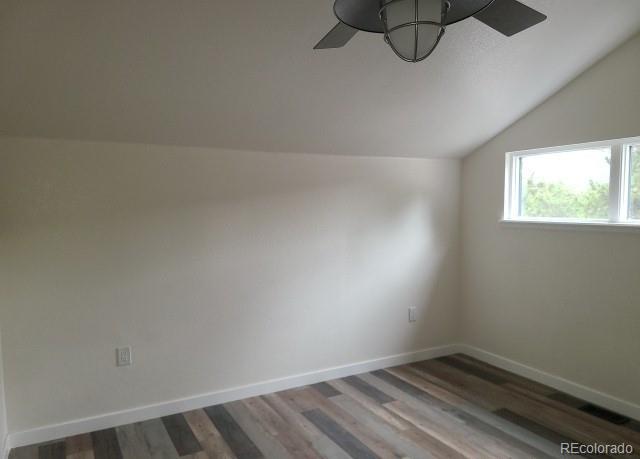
(413, 28)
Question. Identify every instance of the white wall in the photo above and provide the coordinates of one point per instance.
(220, 268)
(563, 301)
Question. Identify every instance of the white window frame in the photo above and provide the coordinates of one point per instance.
(619, 186)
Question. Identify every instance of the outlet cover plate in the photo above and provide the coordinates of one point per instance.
(123, 356)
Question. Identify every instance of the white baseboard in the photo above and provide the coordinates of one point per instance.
(577, 390)
(108, 420)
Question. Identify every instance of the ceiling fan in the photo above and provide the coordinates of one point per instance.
(413, 28)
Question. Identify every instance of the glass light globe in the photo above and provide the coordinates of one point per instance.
(413, 28)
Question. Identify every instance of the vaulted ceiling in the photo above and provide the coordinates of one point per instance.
(243, 74)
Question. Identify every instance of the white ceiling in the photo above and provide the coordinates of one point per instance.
(243, 74)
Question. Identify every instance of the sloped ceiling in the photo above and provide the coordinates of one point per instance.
(243, 74)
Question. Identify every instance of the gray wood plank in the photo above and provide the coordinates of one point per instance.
(56, 450)
(236, 438)
(536, 428)
(307, 399)
(633, 425)
(392, 436)
(371, 405)
(368, 390)
(181, 435)
(260, 435)
(484, 431)
(472, 370)
(570, 422)
(522, 434)
(291, 435)
(132, 442)
(354, 447)
(325, 389)
(319, 441)
(208, 436)
(105, 444)
(567, 399)
(533, 426)
(511, 378)
(405, 387)
(79, 447)
(604, 414)
(157, 440)
(24, 452)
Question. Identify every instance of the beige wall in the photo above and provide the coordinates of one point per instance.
(563, 301)
(220, 268)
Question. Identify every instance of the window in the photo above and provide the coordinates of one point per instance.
(595, 183)
(566, 184)
(634, 182)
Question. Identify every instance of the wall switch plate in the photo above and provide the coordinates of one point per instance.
(412, 314)
(123, 356)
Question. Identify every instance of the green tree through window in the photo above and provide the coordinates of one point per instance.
(634, 198)
(544, 199)
(556, 199)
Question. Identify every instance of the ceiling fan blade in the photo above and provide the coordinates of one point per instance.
(337, 37)
(509, 17)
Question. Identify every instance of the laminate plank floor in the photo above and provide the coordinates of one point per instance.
(451, 407)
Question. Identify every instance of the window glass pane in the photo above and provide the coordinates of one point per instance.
(565, 185)
(634, 182)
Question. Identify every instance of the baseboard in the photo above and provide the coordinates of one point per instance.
(108, 420)
(577, 390)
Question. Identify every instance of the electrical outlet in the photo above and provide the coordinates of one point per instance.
(123, 356)
(412, 314)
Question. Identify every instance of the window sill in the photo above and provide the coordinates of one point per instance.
(574, 226)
